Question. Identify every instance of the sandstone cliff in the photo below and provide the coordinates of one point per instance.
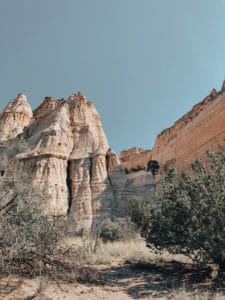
(135, 159)
(63, 144)
(201, 129)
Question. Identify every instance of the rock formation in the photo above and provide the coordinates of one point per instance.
(201, 129)
(63, 144)
(15, 116)
(135, 159)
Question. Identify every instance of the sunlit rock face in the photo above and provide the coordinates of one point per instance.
(64, 146)
(15, 117)
(135, 159)
(201, 129)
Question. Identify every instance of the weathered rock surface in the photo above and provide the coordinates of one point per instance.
(135, 159)
(64, 145)
(201, 129)
(15, 117)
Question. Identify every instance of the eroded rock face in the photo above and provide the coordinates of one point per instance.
(201, 129)
(64, 146)
(66, 149)
(135, 159)
(15, 117)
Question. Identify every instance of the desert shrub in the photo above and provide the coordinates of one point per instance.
(30, 241)
(153, 166)
(118, 229)
(110, 231)
(191, 218)
(128, 228)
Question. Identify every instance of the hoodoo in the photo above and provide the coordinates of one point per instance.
(64, 145)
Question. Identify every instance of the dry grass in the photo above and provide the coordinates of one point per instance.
(134, 250)
(123, 251)
(196, 295)
(114, 251)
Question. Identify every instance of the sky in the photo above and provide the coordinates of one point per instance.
(144, 63)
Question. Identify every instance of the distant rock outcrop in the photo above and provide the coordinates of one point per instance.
(201, 129)
(135, 159)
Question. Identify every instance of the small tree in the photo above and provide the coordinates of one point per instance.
(30, 241)
(140, 212)
(191, 218)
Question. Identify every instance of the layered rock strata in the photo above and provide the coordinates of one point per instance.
(135, 159)
(63, 144)
(201, 129)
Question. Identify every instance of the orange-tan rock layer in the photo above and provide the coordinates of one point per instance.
(135, 159)
(201, 129)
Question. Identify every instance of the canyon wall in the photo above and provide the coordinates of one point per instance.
(201, 129)
(63, 145)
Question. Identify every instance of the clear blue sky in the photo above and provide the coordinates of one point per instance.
(144, 63)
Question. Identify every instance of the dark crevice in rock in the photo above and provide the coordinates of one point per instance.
(90, 168)
(69, 182)
(107, 168)
(114, 204)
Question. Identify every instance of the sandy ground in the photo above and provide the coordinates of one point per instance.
(118, 279)
(28, 290)
(116, 282)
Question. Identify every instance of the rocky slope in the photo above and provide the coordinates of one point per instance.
(63, 143)
(201, 129)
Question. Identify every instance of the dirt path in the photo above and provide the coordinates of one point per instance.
(121, 281)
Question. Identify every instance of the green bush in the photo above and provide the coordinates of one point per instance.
(191, 218)
(119, 229)
(110, 231)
